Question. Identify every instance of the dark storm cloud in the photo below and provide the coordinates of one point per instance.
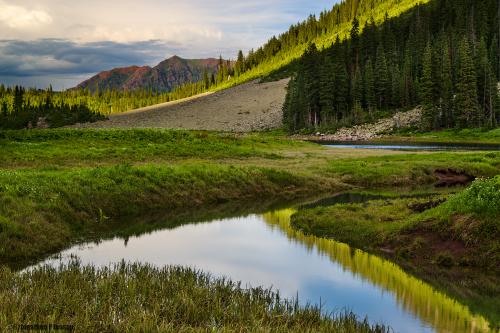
(59, 56)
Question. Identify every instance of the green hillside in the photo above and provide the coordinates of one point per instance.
(442, 56)
(322, 31)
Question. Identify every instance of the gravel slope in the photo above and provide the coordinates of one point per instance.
(248, 107)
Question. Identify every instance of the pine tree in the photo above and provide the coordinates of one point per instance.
(239, 67)
(342, 89)
(357, 87)
(369, 87)
(381, 78)
(310, 66)
(355, 44)
(18, 99)
(428, 90)
(327, 89)
(206, 80)
(487, 87)
(466, 106)
(446, 90)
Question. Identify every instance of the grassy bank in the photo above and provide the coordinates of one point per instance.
(44, 210)
(412, 169)
(471, 136)
(461, 229)
(133, 298)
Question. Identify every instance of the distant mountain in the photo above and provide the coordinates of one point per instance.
(166, 76)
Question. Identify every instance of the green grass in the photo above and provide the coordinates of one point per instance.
(412, 169)
(470, 217)
(139, 298)
(61, 187)
(472, 136)
(71, 147)
(466, 224)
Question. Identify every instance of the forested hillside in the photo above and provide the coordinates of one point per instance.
(331, 25)
(442, 55)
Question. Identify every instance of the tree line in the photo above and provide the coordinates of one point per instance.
(442, 55)
(21, 114)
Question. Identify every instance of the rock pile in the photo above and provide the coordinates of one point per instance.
(372, 131)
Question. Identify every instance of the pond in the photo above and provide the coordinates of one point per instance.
(263, 250)
(406, 146)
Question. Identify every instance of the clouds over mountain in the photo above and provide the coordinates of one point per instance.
(59, 56)
(53, 37)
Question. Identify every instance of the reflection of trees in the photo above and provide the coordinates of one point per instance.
(433, 307)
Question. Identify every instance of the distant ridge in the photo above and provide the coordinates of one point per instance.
(164, 77)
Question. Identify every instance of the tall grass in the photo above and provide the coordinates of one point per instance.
(141, 298)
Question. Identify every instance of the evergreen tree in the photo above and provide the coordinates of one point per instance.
(18, 99)
(369, 87)
(357, 87)
(327, 89)
(355, 45)
(341, 89)
(206, 79)
(466, 105)
(381, 78)
(239, 67)
(428, 90)
(446, 90)
(310, 65)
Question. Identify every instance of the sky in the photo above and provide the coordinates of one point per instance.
(63, 42)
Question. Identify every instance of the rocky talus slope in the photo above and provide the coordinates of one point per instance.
(373, 131)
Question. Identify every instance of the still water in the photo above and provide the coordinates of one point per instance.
(263, 250)
(412, 146)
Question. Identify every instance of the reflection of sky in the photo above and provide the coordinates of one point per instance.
(247, 250)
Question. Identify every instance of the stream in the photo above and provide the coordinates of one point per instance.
(263, 250)
(408, 146)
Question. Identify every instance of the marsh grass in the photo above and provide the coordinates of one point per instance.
(141, 298)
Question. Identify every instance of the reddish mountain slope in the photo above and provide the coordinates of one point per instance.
(167, 75)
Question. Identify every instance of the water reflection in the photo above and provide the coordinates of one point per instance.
(431, 306)
(262, 250)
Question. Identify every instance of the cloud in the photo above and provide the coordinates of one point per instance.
(17, 17)
(59, 56)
